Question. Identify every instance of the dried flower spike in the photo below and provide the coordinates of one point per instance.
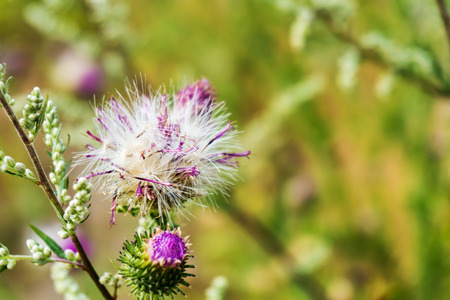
(156, 152)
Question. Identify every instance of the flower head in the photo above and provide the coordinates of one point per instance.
(157, 152)
(167, 247)
(155, 265)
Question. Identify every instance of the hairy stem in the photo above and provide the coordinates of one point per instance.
(46, 186)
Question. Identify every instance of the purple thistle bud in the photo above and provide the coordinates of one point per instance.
(201, 92)
(167, 247)
(156, 264)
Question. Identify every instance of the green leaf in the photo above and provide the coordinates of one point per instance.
(50, 242)
(3, 268)
(85, 218)
(7, 82)
(66, 183)
(66, 167)
(68, 141)
(41, 118)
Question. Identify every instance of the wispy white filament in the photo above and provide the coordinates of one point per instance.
(159, 151)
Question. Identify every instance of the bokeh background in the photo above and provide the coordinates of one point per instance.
(344, 105)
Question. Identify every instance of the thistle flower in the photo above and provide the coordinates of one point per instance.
(155, 266)
(156, 152)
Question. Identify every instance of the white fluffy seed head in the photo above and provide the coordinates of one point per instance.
(155, 152)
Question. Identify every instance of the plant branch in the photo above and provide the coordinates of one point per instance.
(43, 180)
(376, 57)
(46, 186)
(60, 260)
(445, 18)
(274, 246)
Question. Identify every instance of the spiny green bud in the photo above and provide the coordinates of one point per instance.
(155, 265)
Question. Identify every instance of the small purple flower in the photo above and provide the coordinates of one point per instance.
(167, 247)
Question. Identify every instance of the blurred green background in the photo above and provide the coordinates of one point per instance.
(346, 194)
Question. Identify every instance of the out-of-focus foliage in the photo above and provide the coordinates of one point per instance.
(344, 104)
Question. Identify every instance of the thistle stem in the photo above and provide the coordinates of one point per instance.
(369, 54)
(445, 18)
(46, 186)
(270, 243)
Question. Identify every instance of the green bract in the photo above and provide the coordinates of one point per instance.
(149, 279)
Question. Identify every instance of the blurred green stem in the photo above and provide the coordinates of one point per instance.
(370, 54)
(46, 186)
(274, 246)
(445, 18)
(59, 260)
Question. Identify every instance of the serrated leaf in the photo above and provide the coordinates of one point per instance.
(50, 242)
